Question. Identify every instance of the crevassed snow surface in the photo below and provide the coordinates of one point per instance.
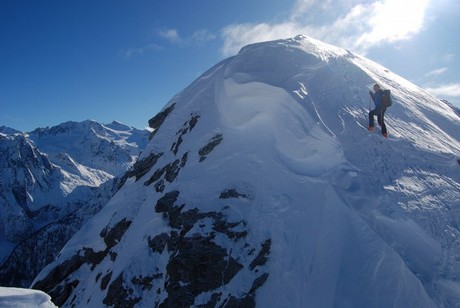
(355, 220)
(24, 298)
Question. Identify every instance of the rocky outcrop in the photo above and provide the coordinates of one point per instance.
(197, 264)
(168, 173)
(156, 122)
(215, 141)
(57, 284)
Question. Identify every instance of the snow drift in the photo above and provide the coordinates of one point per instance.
(24, 298)
(261, 186)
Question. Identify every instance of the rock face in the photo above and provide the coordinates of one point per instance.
(261, 186)
(52, 181)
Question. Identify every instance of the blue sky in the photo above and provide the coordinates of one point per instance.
(108, 60)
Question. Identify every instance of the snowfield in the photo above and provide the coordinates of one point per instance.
(24, 298)
(264, 171)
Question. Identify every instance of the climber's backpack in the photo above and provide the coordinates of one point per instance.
(386, 98)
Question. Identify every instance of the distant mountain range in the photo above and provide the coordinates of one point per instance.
(51, 181)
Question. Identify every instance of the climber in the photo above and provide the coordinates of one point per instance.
(378, 111)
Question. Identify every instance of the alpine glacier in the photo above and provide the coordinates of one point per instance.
(261, 186)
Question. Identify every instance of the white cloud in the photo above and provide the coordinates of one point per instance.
(436, 72)
(360, 26)
(395, 20)
(445, 90)
(171, 35)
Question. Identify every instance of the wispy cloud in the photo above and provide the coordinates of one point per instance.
(349, 24)
(171, 35)
(436, 72)
(197, 37)
(448, 58)
(202, 36)
(445, 90)
(131, 52)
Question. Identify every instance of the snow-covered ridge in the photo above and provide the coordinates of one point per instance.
(111, 147)
(262, 187)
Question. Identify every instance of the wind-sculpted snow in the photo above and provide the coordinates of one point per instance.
(261, 186)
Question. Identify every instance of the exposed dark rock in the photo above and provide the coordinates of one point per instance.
(113, 235)
(193, 121)
(258, 282)
(248, 301)
(62, 293)
(146, 282)
(92, 257)
(160, 186)
(113, 256)
(262, 257)
(175, 146)
(245, 302)
(188, 126)
(197, 264)
(201, 265)
(58, 274)
(105, 281)
(51, 283)
(20, 195)
(120, 295)
(141, 167)
(216, 140)
(158, 120)
(231, 193)
(184, 221)
(158, 243)
(156, 176)
(223, 226)
(183, 160)
(167, 201)
(170, 172)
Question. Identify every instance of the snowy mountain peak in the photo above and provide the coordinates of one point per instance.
(262, 186)
(300, 43)
(114, 147)
(8, 131)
